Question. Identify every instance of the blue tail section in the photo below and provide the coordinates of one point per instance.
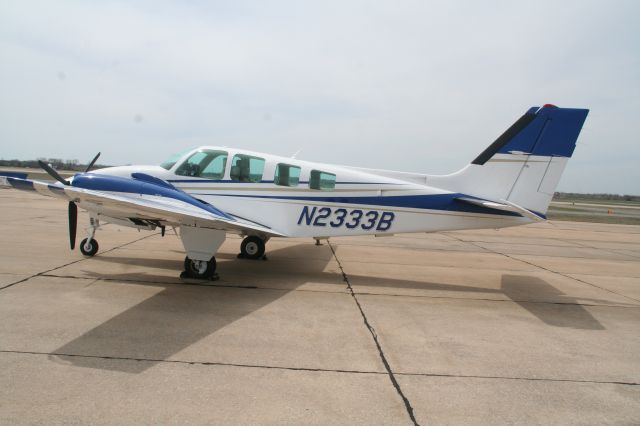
(547, 131)
(520, 170)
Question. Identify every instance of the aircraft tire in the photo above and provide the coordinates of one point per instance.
(192, 272)
(252, 247)
(93, 247)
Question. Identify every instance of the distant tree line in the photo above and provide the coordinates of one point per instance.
(57, 163)
(559, 196)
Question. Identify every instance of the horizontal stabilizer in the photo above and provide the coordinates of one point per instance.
(18, 175)
(503, 205)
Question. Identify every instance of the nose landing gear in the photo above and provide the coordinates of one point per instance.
(252, 247)
(89, 246)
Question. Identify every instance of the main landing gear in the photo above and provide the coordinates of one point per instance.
(252, 247)
(89, 246)
(199, 269)
(200, 244)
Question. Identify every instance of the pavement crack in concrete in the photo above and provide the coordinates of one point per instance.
(608, 251)
(532, 379)
(73, 262)
(374, 335)
(211, 284)
(215, 284)
(317, 370)
(138, 281)
(185, 362)
(486, 299)
(548, 270)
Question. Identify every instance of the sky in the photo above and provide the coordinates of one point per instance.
(404, 85)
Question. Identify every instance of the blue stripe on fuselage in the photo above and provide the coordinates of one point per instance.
(302, 182)
(445, 202)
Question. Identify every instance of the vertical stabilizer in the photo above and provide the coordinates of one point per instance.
(524, 165)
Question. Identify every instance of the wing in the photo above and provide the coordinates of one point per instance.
(168, 206)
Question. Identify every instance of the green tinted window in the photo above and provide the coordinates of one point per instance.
(169, 162)
(205, 163)
(322, 180)
(287, 175)
(245, 168)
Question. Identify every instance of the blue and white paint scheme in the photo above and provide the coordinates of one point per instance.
(210, 191)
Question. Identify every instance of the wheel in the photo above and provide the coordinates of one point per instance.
(199, 269)
(252, 247)
(89, 247)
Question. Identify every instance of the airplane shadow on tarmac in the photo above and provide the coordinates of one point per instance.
(181, 314)
(564, 311)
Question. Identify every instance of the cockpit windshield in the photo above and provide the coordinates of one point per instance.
(171, 161)
(204, 163)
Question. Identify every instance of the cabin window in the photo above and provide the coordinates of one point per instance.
(245, 168)
(322, 180)
(286, 175)
(171, 161)
(206, 163)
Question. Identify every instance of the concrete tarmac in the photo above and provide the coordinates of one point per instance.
(536, 324)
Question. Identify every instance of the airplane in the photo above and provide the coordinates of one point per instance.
(210, 191)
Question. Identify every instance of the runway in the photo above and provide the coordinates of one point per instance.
(536, 324)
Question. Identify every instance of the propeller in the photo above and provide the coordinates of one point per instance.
(92, 163)
(73, 223)
(53, 173)
(73, 208)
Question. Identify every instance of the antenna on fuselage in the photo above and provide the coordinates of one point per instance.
(296, 154)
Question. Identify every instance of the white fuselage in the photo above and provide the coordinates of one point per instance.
(362, 202)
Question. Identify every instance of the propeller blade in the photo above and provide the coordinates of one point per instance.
(73, 223)
(53, 173)
(92, 163)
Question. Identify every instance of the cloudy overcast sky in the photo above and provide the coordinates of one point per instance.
(408, 85)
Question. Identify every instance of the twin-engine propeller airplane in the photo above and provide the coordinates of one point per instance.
(210, 191)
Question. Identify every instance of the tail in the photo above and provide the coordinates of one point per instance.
(523, 166)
